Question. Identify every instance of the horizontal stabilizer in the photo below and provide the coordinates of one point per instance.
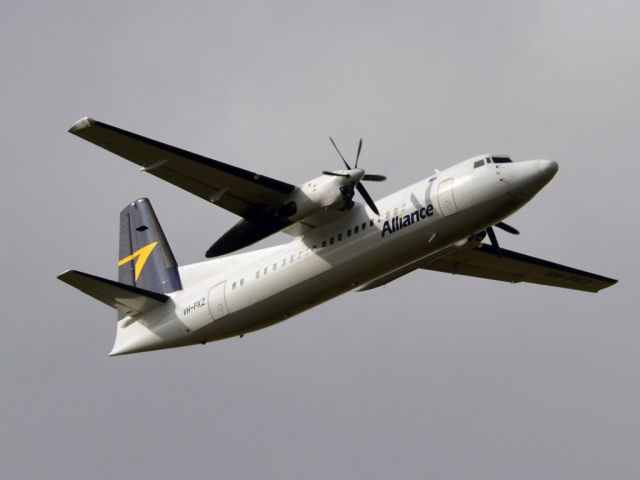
(127, 299)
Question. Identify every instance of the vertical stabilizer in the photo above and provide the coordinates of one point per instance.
(145, 260)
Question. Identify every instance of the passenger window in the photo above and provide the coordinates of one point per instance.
(339, 237)
(291, 258)
(324, 243)
(364, 225)
(284, 262)
(356, 229)
(349, 233)
(275, 265)
(234, 285)
(266, 269)
(371, 223)
(241, 282)
(258, 274)
(331, 241)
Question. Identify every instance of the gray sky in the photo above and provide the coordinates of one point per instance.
(430, 377)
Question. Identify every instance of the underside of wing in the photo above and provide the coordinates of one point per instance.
(486, 261)
(239, 191)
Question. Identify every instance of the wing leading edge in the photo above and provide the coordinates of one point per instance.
(514, 267)
(247, 194)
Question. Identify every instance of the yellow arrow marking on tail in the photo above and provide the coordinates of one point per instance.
(142, 256)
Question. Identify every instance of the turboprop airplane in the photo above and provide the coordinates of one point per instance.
(438, 223)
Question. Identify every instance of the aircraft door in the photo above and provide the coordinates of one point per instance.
(445, 198)
(217, 302)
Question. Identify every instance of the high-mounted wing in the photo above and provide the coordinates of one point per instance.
(486, 261)
(242, 192)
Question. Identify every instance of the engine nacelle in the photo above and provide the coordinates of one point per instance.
(321, 193)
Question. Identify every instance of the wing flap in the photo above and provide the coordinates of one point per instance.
(232, 188)
(127, 299)
(514, 267)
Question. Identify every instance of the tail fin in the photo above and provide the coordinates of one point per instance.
(146, 260)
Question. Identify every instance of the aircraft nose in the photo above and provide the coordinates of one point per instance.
(530, 176)
(541, 172)
(547, 168)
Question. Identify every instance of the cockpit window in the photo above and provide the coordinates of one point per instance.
(478, 163)
(501, 159)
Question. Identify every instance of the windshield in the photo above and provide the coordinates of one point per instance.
(501, 159)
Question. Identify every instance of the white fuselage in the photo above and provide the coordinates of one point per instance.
(239, 293)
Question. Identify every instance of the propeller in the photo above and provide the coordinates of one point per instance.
(507, 228)
(338, 150)
(494, 240)
(374, 178)
(336, 174)
(370, 178)
(492, 235)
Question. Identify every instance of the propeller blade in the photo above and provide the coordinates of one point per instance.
(367, 198)
(336, 174)
(358, 154)
(494, 240)
(374, 178)
(337, 150)
(507, 228)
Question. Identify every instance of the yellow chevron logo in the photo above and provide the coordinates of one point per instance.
(141, 256)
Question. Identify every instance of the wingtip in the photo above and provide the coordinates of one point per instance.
(64, 274)
(610, 282)
(81, 124)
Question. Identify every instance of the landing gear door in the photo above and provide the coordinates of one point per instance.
(217, 302)
(445, 198)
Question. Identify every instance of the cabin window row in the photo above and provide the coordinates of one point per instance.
(274, 266)
(340, 236)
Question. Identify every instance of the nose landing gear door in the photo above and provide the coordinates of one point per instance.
(445, 198)
(217, 302)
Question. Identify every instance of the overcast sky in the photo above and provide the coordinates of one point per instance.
(433, 376)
